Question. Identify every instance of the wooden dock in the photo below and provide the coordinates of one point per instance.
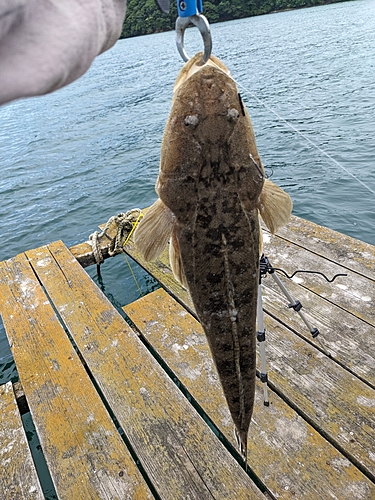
(137, 411)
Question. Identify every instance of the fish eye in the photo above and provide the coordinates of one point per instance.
(233, 115)
(191, 121)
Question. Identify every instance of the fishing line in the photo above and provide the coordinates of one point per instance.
(133, 275)
(306, 138)
(134, 225)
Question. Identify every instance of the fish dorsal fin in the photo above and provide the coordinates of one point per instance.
(275, 206)
(154, 231)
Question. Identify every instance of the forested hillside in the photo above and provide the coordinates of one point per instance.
(143, 17)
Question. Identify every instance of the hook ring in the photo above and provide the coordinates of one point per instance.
(202, 24)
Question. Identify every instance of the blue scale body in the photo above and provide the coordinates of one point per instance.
(187, 8)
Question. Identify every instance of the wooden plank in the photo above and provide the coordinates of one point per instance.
(308, 391)
(340, 405)
(306, 245)
(337, 247)
(84, 254)
(84, 452)
(180, 454)
(18, 478)
(290, 457)
(355, 390)
(347, 338)
(353, 293)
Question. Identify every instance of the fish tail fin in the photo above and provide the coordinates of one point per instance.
(175, 261)
(241, 438)
(154, 231)
(275, 206)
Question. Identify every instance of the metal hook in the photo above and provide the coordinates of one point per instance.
(201, 23)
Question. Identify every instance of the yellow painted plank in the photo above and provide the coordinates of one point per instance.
(347, 414)
(290, 457)
(18, 478)
(181, 455)
(83, 449)
(339, 404)
(353, 293)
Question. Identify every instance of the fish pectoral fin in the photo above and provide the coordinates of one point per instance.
(275, 206)
(260, 238)
(154, 231)
(176, 263)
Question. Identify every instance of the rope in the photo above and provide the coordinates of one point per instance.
(99, 259)
(126, 224)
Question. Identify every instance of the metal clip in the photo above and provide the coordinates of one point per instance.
(190, 11)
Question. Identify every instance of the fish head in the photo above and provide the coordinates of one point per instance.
(208, 141)
(206, 99)
(195, 64)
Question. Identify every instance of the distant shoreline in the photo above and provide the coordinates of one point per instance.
(141, 19)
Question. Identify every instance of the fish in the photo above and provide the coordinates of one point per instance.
(211, 189)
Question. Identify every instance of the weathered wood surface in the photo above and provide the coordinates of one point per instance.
(179, 453)
(336, 247)
(84, 254)
(316, 440)
(83, 449)
(18, 478)
(345, 335)
(347, 339)
(354, 293)
(299, 249)
(290, 457)
(337, 400)
(340, 404)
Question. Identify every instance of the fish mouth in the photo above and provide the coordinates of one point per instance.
(194, 65)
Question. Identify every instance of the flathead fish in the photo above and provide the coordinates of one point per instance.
(211, 189)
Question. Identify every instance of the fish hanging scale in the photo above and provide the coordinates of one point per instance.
(189, 11)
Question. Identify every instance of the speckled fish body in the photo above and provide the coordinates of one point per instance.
(211, 179)
(210, 187)
(219, 253)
